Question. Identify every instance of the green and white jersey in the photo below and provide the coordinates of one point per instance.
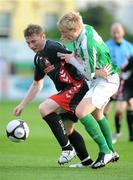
(93, 51)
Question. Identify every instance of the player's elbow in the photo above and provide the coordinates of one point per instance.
(38, 84)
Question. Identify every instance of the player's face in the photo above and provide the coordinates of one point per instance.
(36, 42)
(68, 35)
(117, 34)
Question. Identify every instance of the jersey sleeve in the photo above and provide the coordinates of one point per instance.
(57, 47)
(38, 73)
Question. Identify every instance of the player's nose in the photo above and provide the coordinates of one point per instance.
(31, 45)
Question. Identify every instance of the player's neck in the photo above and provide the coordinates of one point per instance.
(44, 43)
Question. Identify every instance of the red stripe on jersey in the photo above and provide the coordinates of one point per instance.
(64, 75)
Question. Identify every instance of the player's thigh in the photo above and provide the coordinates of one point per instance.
(48, 106)
(121, 106)
(85, 107)
(69, 120)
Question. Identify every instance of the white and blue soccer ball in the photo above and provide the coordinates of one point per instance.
(17, 130)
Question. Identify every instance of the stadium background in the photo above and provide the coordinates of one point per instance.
(35, 158)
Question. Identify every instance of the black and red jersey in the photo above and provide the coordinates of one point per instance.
(61, 73)
(129, 70)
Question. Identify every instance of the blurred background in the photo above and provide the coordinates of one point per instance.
(16, 59)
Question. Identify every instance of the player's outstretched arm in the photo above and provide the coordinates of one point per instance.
(65, 56)
(31, 94)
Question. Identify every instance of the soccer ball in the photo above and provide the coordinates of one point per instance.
(17, 130)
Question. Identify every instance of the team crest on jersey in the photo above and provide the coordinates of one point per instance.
(48, 66)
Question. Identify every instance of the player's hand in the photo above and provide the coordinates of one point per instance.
(104, 72)
(18, 110)
(65, 57)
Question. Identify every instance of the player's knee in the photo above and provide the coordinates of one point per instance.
(69, 127)
(79, 113)
(98, 117)
(43, 109)
(82, 111)
(69, 130)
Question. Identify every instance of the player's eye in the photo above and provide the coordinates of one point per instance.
(33, 41)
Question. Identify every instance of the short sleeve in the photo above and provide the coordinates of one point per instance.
(57, 47)
(38, 73)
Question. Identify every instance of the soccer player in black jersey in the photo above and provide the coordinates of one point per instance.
(125, 95)
(71, 86)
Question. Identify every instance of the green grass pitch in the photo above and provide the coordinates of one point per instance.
(36, 158)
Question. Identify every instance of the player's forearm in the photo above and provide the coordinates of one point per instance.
(32, 93)
(77, 64)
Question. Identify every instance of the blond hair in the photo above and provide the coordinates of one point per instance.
(70, 21)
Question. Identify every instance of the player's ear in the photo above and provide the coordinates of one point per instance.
(43, 35)
(123, 33)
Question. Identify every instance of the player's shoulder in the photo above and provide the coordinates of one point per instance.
(88, 26)
(88, 29)
(128, 46)
(50, 44)
(53, 47)
(126, 42)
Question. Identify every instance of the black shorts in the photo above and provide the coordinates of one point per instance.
(127, 92)
(119, 94)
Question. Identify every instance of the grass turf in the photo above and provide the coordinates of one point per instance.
(36, 158)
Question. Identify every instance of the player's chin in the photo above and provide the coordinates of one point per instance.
(66, 39)
(35, 50)
(63, 39)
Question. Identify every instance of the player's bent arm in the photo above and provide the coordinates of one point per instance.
(75, 62)
(72, 59)
(34, 89)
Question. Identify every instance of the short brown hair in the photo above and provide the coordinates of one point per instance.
(32, 28)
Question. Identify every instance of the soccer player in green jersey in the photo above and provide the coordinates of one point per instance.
(103, 80)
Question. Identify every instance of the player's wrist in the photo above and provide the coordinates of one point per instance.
(22, 105)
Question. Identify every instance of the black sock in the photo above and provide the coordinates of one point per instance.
(57, 127)
(130, 124)
(118, 122)
(78, 143)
